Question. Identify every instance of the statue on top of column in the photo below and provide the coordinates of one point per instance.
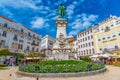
(61, 10)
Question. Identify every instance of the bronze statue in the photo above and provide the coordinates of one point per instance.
(61, 10)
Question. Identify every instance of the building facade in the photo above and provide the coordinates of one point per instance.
(107, 35)
(71, 40)
(47, 44)
(18, 38)
(85, 42)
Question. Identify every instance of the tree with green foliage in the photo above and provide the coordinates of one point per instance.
(33, 55)
(5, 52)
(20, 55)
(86, 58)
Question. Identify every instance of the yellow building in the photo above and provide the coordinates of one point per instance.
(107, 35)
(71, 42)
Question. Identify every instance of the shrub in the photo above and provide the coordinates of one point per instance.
(86, 58)
(64, 66)
(20, 55)
(3, 65)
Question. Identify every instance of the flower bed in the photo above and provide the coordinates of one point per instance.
(66, 66)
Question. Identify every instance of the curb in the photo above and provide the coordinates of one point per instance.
(62, 74)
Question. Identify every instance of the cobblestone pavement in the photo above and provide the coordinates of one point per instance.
(113, 73)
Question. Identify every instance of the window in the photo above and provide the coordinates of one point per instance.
(119, 33)
(28, 48)
(15, 37)
(112, 25)
(38, 37)
(5, 25)
(90, 51)
(100, 49)
(20, 46)
(29, 34)
(116, 46)
(88, 37)
(83, 39)
(102, 29)
(81, 46)
(108, 36)
(22, 30)
(113, 35)
(33, 35)
(91, 36)
(37, 50)
(33, 42)
(81, 53)
(99, 39)
(85, 33)
(93, 51)
(84, 51)
(86, 44)
(80, 35)
(107, 28)
(87, 51)
(103, 38)
(89, 44)
(33, 49)
(4, 33)
(91, 30)
(92, 43)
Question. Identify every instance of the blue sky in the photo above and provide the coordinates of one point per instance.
(40, 15)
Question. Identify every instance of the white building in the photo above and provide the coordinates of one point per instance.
(86, 43)
(47, 44)
(75, 45)
(18, 38)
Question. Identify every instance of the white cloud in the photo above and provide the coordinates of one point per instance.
(55, 17)
(73, 32)
(82, 21)
(18, 3)
(7, 12)
(71, 7)
(38, 23)
(70, 10)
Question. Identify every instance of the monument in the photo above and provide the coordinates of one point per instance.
(61, 49)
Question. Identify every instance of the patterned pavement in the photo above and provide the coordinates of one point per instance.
(113, 73)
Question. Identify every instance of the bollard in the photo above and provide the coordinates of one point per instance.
(10, 75)
(37, 78)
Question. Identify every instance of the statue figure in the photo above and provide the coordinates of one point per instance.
(61, 10)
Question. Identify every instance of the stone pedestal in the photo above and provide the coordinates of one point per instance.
(61, 49)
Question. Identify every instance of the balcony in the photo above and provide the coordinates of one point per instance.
(34, 44)
(3, 47)
(112, 50)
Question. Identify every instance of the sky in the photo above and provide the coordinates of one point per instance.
(40, 15)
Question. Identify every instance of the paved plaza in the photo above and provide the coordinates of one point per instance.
(111, 74)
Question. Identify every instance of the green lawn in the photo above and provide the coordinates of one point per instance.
(65, 66)
(1, 68)
(117, 65)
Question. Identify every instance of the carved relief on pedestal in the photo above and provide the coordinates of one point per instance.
(61, 41)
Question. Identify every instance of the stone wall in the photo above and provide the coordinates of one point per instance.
(62, 74)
